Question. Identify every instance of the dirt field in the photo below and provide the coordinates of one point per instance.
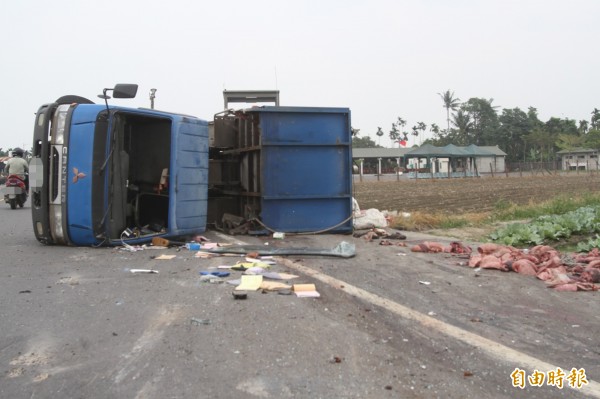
(468, 194)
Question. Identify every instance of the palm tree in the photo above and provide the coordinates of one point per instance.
(450, 103)
(394, 134)
(463, 124)
(583, 126)
(595, 122)
(422, 127)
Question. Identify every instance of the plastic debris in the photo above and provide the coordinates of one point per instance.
(215, 273)
(151, 271)
(197, 322)
(193, 246)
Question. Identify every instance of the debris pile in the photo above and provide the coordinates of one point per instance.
(255, 268)
(378, 233)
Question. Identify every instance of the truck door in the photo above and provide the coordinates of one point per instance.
(188, 177)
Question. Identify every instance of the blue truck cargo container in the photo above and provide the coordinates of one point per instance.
(104, 175)
(295, 167)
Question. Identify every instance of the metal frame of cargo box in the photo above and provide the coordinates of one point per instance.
(288, 167)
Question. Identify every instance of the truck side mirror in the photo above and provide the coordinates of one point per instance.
(125, 90)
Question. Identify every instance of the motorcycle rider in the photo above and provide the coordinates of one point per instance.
(18, 166)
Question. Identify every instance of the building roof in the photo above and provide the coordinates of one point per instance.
(578, 150)
(379, 152)
(428, 150)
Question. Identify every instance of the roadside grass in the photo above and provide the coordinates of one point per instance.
(504, 211)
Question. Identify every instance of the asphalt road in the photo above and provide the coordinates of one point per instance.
(76, 323)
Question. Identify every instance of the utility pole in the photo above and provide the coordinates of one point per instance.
(152, 97)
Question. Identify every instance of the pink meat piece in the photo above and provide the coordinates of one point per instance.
(524, 266)
(492, 262)
(575, 286)
(428, 246)
(474, 260)
(590, 276)
(541, 249)
(569, 287)
(594, 264)
(458, 248)
(488, 248)
(505, 257)
(552, 262)
(551, 274)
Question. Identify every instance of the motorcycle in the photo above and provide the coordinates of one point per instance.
(15, 191)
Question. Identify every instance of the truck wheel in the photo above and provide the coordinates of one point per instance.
(21, 204)
(13, 203)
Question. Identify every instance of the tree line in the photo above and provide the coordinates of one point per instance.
(521, 134)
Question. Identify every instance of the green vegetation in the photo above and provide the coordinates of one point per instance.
(550, 228)
(554, 221)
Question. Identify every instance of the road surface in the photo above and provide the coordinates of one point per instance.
(76, 323)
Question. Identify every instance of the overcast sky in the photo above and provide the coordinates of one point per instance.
(382, 59)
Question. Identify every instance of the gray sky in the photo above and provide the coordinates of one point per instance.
(382, 59)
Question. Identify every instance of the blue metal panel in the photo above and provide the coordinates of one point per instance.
(189, 179)
(79, 174)
(306, 169)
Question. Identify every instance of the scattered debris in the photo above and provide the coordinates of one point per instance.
(278, 235)
(209, 278)
(197, 322)
(25, 292)
(274, 286)
(336, 359)
(163, 242)
(150, 271)
(250, 283)
(192, 246)
(454, 247)
(164, 257)
(214, 273)
(343, 249)
(305, 291)
(240, 294)
(369, 218)
(379, 233)
(425, 282)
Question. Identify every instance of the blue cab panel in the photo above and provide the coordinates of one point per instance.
(119, 175)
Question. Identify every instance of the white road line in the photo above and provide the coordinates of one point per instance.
(492, 348)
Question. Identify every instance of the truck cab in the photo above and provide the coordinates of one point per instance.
(109, 175)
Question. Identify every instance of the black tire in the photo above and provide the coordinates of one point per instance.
(21, 204)
(13, 203)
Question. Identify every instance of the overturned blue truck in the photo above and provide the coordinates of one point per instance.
(109, 175)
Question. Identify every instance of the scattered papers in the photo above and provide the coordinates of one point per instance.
(279, 276)
(254, 270)
(204, 255)
(306, 291)
(165, 257)
(261, 260)
(274, 286)
(143, 271)
(250, 283)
